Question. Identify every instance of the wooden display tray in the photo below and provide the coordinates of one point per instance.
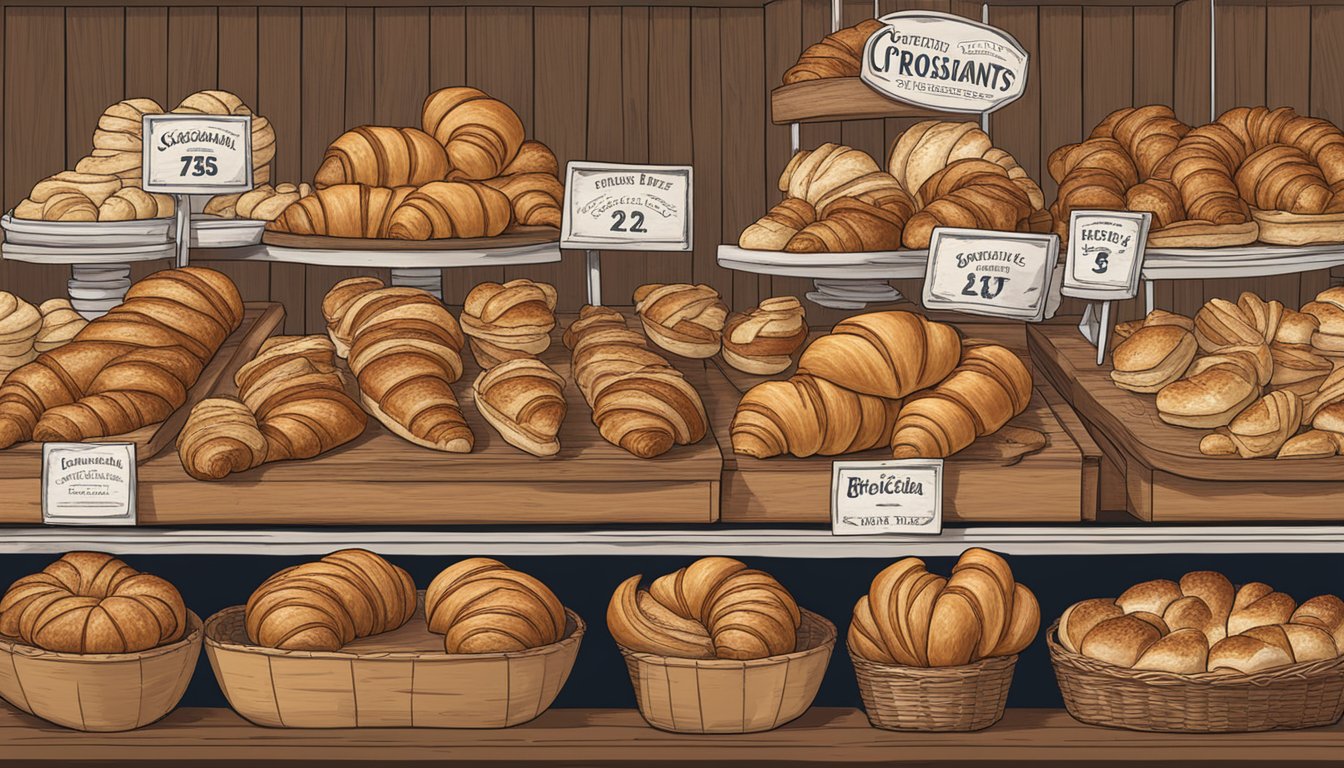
(842, 98)
(516, 237)
(1059, 483)
(382, 479)
(619, 737)
(1166, 478)
(21, 465)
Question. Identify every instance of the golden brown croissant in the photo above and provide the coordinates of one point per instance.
(533, 157)
(808, 415)
(20, 326)
(972, 193)
(885, 354)
(481, 135)
(450, 209)
(683, 319)
(534, 197)
(813, 174)
(1280, 177)
(524, 400)
(481, 605)
(851, 225)
(773, 231)
(837, 55)
(380, 156)
(133, 203)
(927, 147)
(509, 321)
(345, 210)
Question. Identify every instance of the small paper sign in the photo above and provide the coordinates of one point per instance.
(999, 274)
(944, 62)
(196, 154)
(610, 206)
(1105, 254)
(88, 483)
(895, 496)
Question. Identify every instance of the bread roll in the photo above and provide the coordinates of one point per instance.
(1081, 618)
(1150, 596)
(1273, 608)
(1153, 357)
(1184, 651)
(1246, 655)
(1120, 641)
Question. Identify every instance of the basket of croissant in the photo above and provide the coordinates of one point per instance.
(717, 647)
(1200, 655)
(92, 644)
(936, 653)
(347, 642)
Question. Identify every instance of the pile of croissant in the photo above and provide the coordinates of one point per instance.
(885, 379)
(467, 172)
(1254, 372)
(1204, 624)
(939, 174)
(105, 186)
(1254, 173)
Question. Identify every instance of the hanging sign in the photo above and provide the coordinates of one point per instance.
(999, 274)
(1105, 254)
(88, 483)
(610, 206)
(894, 496)
(944, 62)
(196, 154)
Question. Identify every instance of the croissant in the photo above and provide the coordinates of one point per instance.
(535, 198)
(683, 319)
(60, 324)
(481, 135)
(524, 400)
(1260, 430)
(450, 209)
(120, 125)
(1161, 198)
(927, 147)
(132, 204)
(970, 193)
(533, 157)
(481, 605)
(20, 326)
(988, 387)
(813, 174)
(884, 354)
(837, 55)
(262, 203)
(1215, 389)
(773, 231)
(1325, 410)
(345, 210)
(509, 321)
(762, 342)
(806, 416)
(1281, 177)
(1148, 134)
(851, 225)
(380, 156)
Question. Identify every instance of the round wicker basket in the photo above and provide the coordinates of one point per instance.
(725, 696)
(963, 698)
(100, 692)
(1296, 696)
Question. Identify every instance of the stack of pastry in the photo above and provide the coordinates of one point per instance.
(405, 349)
(763, 341)
(1204, 624)
(261, 203)
(915, 618)
(292, 404)
(683, 319)
(509, 321)
(854, 386)
(716, 607)
(27, 331)
(640, 402)
(481, 605)
(467, 172)
(91, 602)
(326, 604)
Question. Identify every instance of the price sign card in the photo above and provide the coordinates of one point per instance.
(627, 207)
(1105, 254)
(896, 496)
(999, 274)
(197, 154)
(88, 483)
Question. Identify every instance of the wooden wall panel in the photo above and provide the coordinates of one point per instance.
(743, 111)
(193, 52)
(669, 122)
(706, 147)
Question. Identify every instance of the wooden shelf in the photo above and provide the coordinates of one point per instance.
(615, 737)
(841, 98)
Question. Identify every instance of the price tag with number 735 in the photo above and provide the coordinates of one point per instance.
(611, 206)
(197, 154)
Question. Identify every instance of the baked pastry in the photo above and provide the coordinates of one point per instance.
(914, 618)
(20, 324)
(970, 192)
(117, 145)
(1259, 430)
(445, 209)
(263, 203)
(988, 387)
(480, 605)
(885, 354)
(524, 400)
(928, 147)
(217, 102)
(851, 225)
(812, 175)
(777, 227)
(133, 204)
(639, 401)
(1312, 444)
(536, 198)
(91, 602)
(716, 607)
(1153, 357)
(1298, 368)
(68, 196)
(532, 157)
(1325, 407)
(762, 342)
(326, 604)
(345, 210)
(127, 369)
(1328, 310)
(837, 55)
(60, 324)
(380, 156)
(509, 321)
(480, 135)
(1214, 390)
(808, 415)
(683, 319)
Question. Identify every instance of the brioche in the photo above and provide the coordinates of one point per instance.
(481, 605)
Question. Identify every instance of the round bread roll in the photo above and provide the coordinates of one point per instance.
(1246, 654)
(1152, 357)
(481, 605)
(1120, 641)
(1184, 651)
(1081, 618)
(1150, 596)
(1271, 608)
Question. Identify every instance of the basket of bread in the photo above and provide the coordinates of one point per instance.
(347, 642)
(936, 653)
(92, 644)
(717, 647)
(1200, 655)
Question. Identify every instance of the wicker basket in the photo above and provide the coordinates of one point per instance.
(1296, 696)
(724, 696)
(965, 698)
(99, 691)
(399, 679)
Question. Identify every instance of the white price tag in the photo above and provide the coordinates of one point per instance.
(1105, 254)
(999, 274)
(896, 496)
(610, 206)
(197, 154)
(88, 483)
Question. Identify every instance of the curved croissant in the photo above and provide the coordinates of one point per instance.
(534, 197)
(971, 193)
(885, 354)
(345, 210)
(806, 416)
(450, 209)
(481, 605)
(381, 156)
(481, 135)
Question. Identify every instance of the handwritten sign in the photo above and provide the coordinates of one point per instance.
(944, 62)
(1105, 254)
(88, 483)
(196, 154)
(895, 496)
(999, 274)
(611, 206)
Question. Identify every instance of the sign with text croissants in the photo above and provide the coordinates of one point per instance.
(893, 496)
(196, 154)
(88, 483)
(611, 206)
(999, 274)
(944, 62)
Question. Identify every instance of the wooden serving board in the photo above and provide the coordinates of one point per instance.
(996, 479)
(381, 478)
(1165, 476)
(516, 237)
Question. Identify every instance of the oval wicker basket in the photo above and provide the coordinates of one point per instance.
(1296, 696)
(725, 696)
(964, 698)
(99, 692)
(399, 679)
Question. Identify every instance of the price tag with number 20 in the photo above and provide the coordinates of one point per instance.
(197, 154)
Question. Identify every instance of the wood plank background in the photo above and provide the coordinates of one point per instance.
(662, 84)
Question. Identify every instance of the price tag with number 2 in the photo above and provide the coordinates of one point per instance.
(197, 154)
